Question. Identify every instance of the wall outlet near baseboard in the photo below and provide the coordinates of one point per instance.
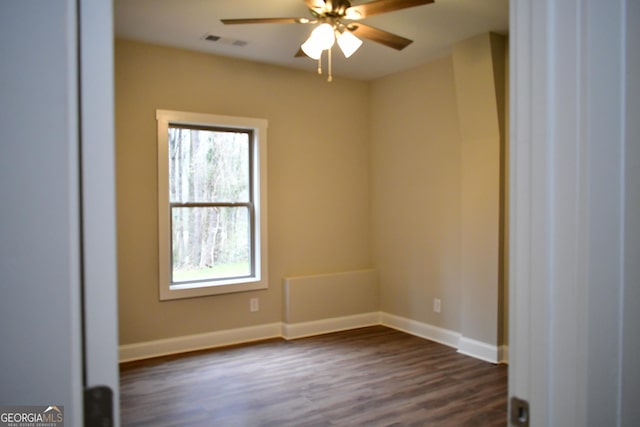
(436, 305)
(254, 304)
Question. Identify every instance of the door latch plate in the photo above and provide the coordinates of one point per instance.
(519, 412)
(98, 407)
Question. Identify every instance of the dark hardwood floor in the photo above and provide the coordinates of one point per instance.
(366, 377)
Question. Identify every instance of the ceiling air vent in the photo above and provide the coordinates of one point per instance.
(224, 40)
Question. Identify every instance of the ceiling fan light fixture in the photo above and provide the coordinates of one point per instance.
(348, 43)
(323, 36)
(311, 49)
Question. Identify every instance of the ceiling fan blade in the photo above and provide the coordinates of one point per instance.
(317, 6)
(379, 36)
(266, 21)
(381, 6)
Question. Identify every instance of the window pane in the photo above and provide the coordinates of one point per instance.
(208, 166)
(210, 243)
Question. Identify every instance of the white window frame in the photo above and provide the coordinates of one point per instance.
(259, 280)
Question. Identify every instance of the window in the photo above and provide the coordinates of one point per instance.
(211, 204)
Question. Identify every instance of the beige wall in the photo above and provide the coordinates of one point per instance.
(479, 77)
(415, 164)
(437, 135)
(318, 179)
(503, 303)
(361, 175)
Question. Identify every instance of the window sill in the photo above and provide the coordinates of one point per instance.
(218, 287)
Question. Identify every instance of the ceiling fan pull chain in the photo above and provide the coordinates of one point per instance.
(330, 76)
(320, 64)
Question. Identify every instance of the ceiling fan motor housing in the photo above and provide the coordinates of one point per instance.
(337, 8)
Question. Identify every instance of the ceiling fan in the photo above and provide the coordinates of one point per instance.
(338, 21)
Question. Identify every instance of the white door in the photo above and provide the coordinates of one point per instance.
(57, 216)
(574, 354)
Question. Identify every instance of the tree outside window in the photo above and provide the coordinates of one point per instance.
(211, 207)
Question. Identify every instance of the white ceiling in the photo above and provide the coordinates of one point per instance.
(434, 28)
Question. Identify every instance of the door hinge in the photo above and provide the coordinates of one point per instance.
(519, 412)
(98, 406)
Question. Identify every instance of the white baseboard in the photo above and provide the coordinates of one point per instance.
(478, 349)
(292, 331)
(149, 349)
(467, 346)
(420, 329)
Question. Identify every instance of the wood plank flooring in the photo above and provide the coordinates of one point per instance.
(366, 377)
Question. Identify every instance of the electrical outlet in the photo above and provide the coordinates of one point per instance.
(436, 305)
(254, 304)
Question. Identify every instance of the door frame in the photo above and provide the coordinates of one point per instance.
(97, 142)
